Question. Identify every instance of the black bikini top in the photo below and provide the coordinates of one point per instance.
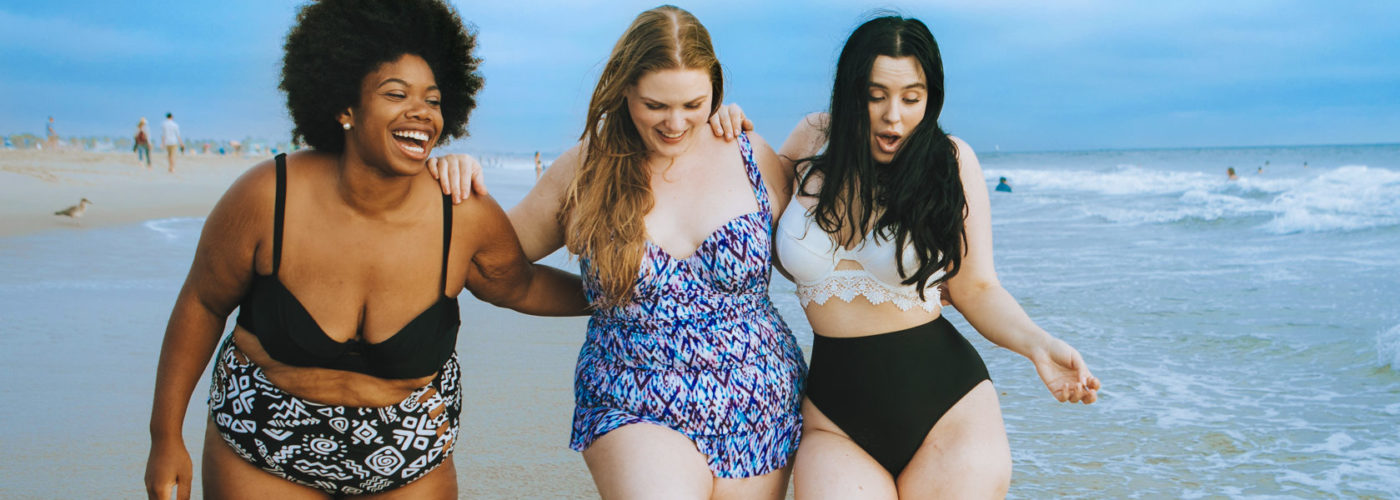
(290, 335)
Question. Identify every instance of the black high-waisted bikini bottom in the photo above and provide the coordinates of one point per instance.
(887, 390)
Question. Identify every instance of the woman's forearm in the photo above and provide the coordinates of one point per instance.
(190, 339)
(553, 292)
(997, 316)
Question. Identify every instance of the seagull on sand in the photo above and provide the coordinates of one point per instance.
(75, 211)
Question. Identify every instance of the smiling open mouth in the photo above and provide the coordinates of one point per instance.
(671, 138)
(412, 141)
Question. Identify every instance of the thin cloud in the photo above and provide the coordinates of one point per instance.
(64, 38)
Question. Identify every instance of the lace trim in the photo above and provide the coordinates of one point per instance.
(847, 284)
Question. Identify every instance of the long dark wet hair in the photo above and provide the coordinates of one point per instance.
(920, 191)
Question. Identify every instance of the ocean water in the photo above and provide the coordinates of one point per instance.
(1247, 332)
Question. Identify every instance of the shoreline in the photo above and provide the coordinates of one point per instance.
(35, 184)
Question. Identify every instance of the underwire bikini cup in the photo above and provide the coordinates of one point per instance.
(290, 335)
(811, 257)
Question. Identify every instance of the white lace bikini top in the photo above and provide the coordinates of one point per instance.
(810, 257)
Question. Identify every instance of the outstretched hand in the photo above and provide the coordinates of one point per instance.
(460, 175)
(1065, 374)
(728, 121)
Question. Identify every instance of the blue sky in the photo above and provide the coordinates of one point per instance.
(1021, 76)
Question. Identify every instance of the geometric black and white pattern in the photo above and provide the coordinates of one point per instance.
(340, 450)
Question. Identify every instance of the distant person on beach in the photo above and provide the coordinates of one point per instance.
(170, 139)
(340, 377)
(539, 169)
(142, 142)
(1231, 172)
(50, 136)
(1003, 187)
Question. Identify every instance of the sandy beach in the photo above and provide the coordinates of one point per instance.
(35, 184)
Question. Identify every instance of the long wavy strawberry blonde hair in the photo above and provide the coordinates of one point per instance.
(611, 192)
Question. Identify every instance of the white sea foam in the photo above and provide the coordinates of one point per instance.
(1388, 350)
(1347, 198)
(509, 162)
(171, 228)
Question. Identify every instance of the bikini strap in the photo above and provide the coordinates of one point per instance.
(755, 178)
(446, 239)
(279, 212)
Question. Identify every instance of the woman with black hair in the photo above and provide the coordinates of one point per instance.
(340, 377)
(887, 208)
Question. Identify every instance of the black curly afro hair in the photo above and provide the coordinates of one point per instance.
(335, 43)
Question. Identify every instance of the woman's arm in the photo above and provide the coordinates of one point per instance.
(500, 272)
(218, 278)
(806, 140)
(995, 314)
(537, 218)
(777, 176)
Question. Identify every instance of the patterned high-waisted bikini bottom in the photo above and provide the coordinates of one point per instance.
(340, 450)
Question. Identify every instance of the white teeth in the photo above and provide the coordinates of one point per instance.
(412, 134)
(676, 136)
(412, 149)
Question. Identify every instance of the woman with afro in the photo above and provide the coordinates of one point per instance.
(340, 377)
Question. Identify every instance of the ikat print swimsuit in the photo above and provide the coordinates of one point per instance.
(699, 348)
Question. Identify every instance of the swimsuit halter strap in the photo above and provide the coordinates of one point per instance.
(755, 178)
(446, 239)
(279, 212)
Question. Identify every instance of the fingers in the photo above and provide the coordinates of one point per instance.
(450, 172)
(1093, 386)
(183, 483)
(464, 185)
(158, 490)
(478, 180)
(1075, 393)
(1090, 396)
(1070, 392)
(726, 122)
(433, 169)
(735, 119)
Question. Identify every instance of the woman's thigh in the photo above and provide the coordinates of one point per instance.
(648, 461)
(965, 455)
(227, 475)
(832, 466)
(772, 485)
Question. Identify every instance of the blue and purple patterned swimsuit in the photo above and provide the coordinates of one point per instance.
(700, 349)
